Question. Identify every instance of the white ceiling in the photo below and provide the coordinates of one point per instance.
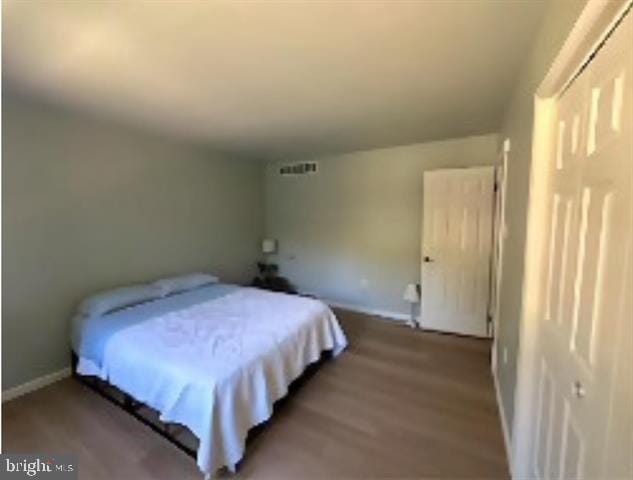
(276, 79)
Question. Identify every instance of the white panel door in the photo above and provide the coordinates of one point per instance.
(585, 265)
(456, 248)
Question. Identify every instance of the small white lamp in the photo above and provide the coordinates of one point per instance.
(412, 296)
(269, 245)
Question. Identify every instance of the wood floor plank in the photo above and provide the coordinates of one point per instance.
(397, 403)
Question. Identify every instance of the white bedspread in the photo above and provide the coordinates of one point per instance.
(219, 366)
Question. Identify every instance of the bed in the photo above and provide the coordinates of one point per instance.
(213, 358)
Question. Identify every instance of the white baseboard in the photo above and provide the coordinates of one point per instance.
(401, 317)
(504, 423)
(35, 384)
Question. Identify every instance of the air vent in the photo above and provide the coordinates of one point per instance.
(302, 168)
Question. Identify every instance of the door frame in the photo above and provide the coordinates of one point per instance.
(597, 20)
(500, 233)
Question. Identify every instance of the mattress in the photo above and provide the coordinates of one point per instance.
(214, 359)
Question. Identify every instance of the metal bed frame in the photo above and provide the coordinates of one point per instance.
(169, 430)
(130, 405)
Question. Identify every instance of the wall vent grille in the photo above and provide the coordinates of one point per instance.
(301, 168)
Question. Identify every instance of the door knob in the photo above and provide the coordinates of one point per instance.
(428, 259)
(578, 389)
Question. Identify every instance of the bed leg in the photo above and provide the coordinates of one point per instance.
(128, 403)
(74, 360)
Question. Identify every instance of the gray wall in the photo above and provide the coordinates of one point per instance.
(88, 205)
(517, 126)
(360, 219)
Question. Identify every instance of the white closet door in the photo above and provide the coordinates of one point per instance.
(456, 248)
(587, 260)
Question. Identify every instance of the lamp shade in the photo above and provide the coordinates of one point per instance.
(269, 245)
(411, 293)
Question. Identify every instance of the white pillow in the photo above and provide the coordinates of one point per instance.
(182, 283)
(118, 298)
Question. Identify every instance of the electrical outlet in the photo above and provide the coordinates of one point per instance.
(505, 355)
